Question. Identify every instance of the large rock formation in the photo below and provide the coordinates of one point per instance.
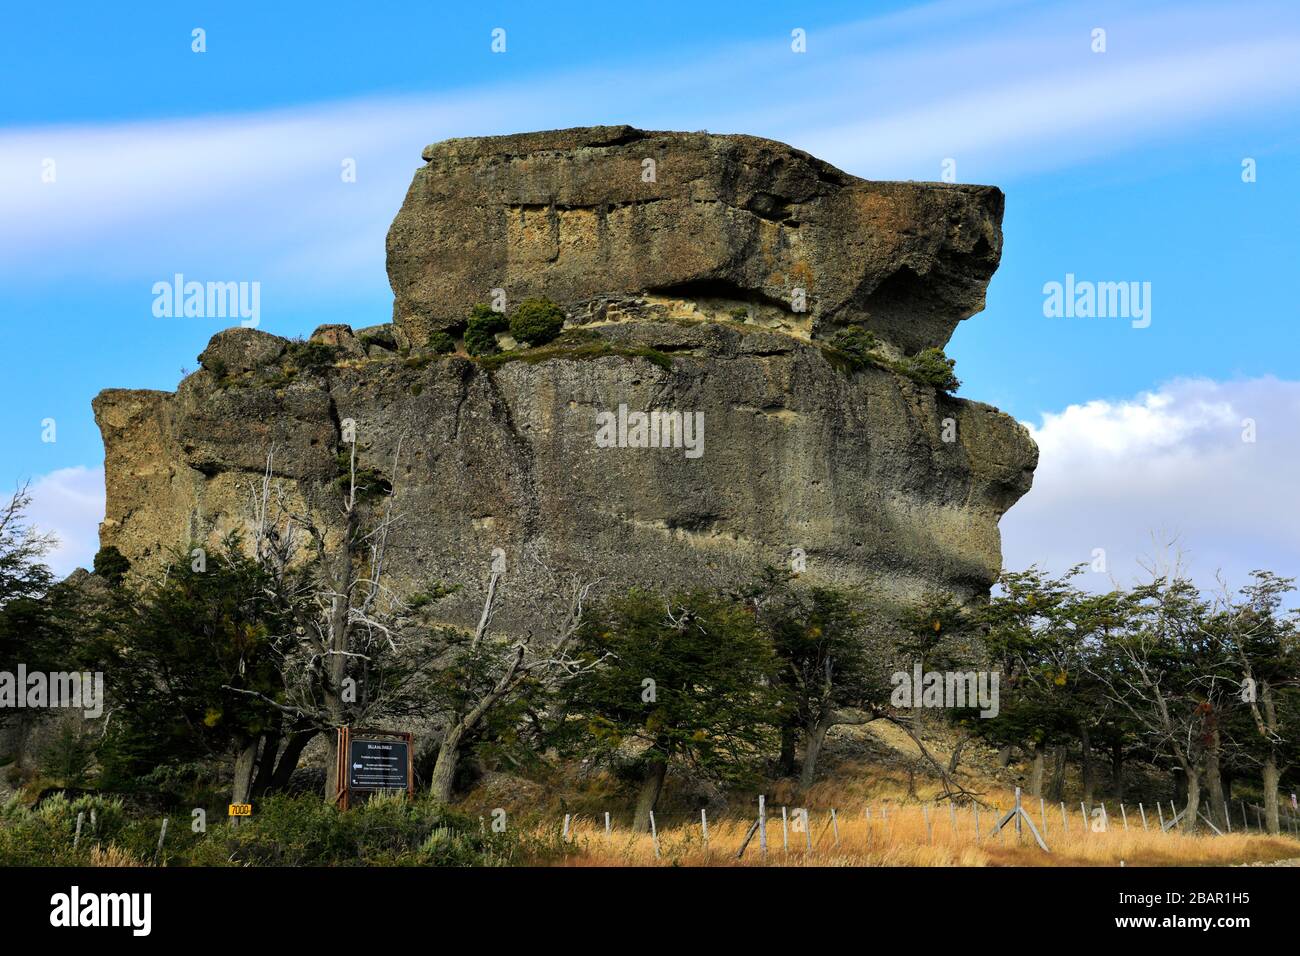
(580, 214)
(678, 297)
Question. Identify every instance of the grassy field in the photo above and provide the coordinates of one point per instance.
(897, 834)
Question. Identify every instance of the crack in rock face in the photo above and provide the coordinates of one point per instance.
(677, 292)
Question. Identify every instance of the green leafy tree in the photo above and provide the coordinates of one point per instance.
(29, 632)
(111, 565)
(827, 673)
(685, 683)
(196, 635)
(1264, 644)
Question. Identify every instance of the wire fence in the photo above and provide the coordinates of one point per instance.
(884, 825)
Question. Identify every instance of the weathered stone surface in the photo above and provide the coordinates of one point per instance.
(339, 337)
(675, 302)
(238, 350)
(850, 467)
(727, 220)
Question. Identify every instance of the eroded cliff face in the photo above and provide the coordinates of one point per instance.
(677, 300)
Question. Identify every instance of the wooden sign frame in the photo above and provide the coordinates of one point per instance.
(341, 775)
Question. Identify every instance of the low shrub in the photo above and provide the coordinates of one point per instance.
(931, 367)
(313, 355)
(441, 342)
(385, 831)
(855, 342)
(482, 329)
(536, 321)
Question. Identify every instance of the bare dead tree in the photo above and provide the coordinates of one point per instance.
(355, 652)
(493, 671)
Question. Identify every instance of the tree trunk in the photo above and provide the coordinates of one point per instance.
(265, 764)
(651, 785)
(331, 767)
(785, 764)
(1085, 763)
(816, 736)
(444, 768)
(1058, 774)
(288, 762)
(955, 760)
(1218, 807)
(1271, 778)
(1192, 815)
(1036, 777)
(1117, 769)
(245, 761)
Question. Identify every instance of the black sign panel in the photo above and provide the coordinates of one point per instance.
(377, 764)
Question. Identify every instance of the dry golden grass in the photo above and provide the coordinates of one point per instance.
(112, 856)
(896, 834)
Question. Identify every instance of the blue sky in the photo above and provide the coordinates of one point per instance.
(1123, 165)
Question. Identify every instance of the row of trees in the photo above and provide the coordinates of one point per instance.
(1208, 685)
(244, 656)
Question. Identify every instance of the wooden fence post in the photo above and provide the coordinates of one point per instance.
(606, 824)
(76, 837)
(762, 824)
(785, 831)
(1142, 810)
(162, 835)
(654, 833)
(1124, 813)
(836, 826)
(704, 827)
(929, 835)
(1065, 821)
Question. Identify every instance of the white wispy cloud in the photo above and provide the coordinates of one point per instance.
(1166, 467)
(70, 503)
(1003, 86)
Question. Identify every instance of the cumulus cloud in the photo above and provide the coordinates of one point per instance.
(70, 503)
(1168, 470)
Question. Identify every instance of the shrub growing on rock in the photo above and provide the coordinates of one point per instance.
(855, 342)
(312, 354)
(480, 333)
(536, 321)
(931, 367)
(442, 343)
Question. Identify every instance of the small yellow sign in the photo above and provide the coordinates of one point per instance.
(241, 809)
